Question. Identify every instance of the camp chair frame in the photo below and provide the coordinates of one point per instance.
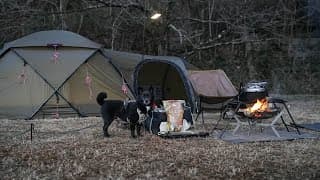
(211, 101)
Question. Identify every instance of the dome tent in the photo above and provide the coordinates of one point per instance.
(50, 73)
(168, 75)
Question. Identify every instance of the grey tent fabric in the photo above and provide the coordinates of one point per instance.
(125, 61)
(44, 38)
(167, 74)
(38, 80)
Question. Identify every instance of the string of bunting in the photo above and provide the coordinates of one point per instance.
(22, 77)
(124, 87)
(56, 54)
(88, 83)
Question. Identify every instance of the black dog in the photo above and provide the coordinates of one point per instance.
(147, 97)
(126, 111)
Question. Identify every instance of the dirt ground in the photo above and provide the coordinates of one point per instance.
(74, 148)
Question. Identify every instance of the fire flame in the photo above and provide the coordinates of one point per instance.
(258, 107)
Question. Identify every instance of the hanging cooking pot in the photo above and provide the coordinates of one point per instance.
(253, 91)
(255, 87)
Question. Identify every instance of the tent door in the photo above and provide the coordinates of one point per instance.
(163, 77)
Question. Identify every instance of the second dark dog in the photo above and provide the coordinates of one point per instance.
(130, 111)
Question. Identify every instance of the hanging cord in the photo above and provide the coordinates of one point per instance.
(22, 77)
(88, 83)
(56, 115)
(55, 54)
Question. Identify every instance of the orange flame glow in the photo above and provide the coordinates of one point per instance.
(258, 107)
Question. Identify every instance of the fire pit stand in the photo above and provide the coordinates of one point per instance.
(250, 122)
(233, 110)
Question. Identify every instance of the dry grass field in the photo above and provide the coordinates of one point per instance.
(74, 148)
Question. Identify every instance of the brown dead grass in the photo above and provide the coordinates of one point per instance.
(75, 149)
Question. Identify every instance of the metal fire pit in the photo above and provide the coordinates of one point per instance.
(249, 94)
(258, 120)
(234, 110)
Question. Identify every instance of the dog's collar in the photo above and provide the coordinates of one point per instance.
(126, 102)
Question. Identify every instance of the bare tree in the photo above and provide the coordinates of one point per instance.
(248, 39)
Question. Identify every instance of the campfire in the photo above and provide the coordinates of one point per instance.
(254, 107)
(255, 97)
(257, 109)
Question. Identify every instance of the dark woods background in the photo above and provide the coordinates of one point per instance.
(272, 40)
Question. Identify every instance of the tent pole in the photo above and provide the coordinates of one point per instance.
(56, 91)
(119, 72)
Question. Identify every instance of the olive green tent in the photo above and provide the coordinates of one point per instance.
(55, 73)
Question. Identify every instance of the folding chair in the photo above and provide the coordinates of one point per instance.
(213, 88)
(210, 104)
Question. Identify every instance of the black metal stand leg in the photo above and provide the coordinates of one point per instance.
(220, 118)
(285, 124)
(198, 115)
(293, 122)
(250, 127)
(202, 117)
(225, 128)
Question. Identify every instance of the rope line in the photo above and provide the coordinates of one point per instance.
(16, 135)
(52, 132)
(69, 131)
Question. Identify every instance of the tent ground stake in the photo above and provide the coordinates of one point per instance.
(31, 130)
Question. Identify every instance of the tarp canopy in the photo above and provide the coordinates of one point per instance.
(212, 84)
(55, 73)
